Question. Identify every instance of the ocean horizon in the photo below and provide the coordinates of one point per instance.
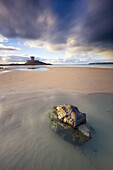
(67, 65)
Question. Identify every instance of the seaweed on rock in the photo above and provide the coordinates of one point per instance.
(64, 129)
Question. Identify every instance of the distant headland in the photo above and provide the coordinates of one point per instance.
(101, 63)
(28, 62)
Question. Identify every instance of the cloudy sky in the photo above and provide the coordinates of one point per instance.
(56, 31)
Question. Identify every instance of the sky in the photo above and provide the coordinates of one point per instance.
(56, 31)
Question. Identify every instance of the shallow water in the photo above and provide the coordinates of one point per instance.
(27, 142)
(5, 71)
(32, 69)
(25, 69)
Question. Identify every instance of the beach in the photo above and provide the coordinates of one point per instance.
(77, 80)
(26, 97)
(56, 85)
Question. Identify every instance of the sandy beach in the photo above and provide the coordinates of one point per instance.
(77, 80)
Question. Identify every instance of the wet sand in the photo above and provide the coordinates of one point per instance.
(77, 80)
(27, 142)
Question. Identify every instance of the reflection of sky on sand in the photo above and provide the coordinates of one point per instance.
(24, 69)
(28, 143)
(5, 71)
(32, 69)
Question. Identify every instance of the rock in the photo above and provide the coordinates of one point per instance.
(69, 123)
(83, 128)
(71, 115)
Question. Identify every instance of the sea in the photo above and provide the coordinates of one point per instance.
(67, 65)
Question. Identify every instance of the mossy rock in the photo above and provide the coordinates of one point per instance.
(65, 130)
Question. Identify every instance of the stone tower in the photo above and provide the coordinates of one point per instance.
(32, 58)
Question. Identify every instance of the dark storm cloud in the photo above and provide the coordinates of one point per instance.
(57, 20)
(32, 19)
(99, 22)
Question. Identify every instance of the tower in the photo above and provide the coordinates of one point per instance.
(32, 58)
